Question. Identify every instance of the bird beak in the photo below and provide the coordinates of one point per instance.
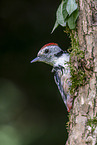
(35, 59)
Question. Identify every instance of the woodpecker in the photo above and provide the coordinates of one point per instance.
(53, 55)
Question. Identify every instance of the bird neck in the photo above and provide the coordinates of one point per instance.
(62, 60)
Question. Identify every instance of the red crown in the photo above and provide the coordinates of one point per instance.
(49, 44)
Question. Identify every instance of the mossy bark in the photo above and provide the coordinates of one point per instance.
(83, 132)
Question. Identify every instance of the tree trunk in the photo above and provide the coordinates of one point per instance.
(83, 119)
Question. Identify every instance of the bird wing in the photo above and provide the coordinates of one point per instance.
(62, 79)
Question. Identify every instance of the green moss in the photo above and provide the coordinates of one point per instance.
(92, 123)
(68, 123)
(78, 75)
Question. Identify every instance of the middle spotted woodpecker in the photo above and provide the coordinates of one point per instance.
(53, 55)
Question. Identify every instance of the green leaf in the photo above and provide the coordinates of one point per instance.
(64, 11)
(67, 12)
(71, 23)
(72, 19)
(75, 15)
(60, 17)
(55, 26)
(71, 6)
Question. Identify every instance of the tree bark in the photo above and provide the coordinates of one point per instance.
(83, 119)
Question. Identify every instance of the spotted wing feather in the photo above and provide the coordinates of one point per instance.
(63, 85)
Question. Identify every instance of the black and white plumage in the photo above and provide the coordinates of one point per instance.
(62, 79)
(52, 54)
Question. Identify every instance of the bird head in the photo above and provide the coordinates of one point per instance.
(48, 54)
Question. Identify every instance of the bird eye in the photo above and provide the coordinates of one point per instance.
(46, 50)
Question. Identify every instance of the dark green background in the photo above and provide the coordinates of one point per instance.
(31, 109)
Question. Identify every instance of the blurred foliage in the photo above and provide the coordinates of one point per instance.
(31, 109)
(8, 136)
